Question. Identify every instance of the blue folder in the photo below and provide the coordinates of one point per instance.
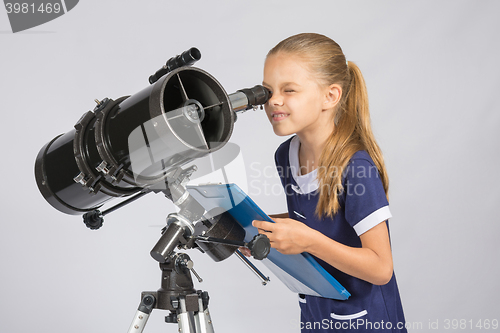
(300, 272)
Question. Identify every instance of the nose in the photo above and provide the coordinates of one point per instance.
(276, 99)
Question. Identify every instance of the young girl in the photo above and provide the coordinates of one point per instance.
(336, 184)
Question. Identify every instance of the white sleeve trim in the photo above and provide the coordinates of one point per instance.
(372, 220)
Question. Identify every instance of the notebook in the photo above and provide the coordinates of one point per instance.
(301, 273)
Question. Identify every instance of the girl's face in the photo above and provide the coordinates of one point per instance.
(299, 104)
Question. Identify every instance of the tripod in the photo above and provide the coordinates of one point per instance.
(216, 233)
(188, 307)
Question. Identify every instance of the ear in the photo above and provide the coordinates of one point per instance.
(333, 93)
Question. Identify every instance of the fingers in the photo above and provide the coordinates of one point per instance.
(266, 228)
(263, 225)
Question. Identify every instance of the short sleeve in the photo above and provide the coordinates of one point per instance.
(365, 201)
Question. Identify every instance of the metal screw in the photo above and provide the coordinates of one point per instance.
(136, 327)
(140, 317)
(80, 179)
(102, 168)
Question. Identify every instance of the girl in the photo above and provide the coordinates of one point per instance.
(336, 183)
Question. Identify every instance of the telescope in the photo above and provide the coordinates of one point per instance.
(183, 115)
(134, 145)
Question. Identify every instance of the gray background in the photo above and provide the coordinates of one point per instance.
(433, 78)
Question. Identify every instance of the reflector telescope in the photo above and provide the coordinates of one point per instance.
(130, 144)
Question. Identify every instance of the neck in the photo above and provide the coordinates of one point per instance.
(312, 144)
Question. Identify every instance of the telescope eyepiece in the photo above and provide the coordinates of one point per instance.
(186, 58)
(257, 95)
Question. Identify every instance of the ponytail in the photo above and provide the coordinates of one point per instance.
(352, 133)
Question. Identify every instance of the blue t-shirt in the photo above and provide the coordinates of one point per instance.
(363, 205)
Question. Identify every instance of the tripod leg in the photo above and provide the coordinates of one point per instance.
(202, 317)
(184, 317)
(142, 315)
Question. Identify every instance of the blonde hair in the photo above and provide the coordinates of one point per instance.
(352, 130)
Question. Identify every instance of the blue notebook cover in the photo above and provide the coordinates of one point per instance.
(299, 272)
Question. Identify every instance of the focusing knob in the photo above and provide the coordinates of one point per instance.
(93, 219)
(259, 246)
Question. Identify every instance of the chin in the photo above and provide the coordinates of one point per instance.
(282, 132)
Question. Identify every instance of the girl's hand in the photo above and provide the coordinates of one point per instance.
(288, 236)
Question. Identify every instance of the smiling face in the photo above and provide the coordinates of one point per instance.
(299, 103)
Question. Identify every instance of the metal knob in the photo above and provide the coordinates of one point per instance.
(183, 261)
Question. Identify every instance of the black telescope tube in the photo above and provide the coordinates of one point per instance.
(186, 58)
(130, 144)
